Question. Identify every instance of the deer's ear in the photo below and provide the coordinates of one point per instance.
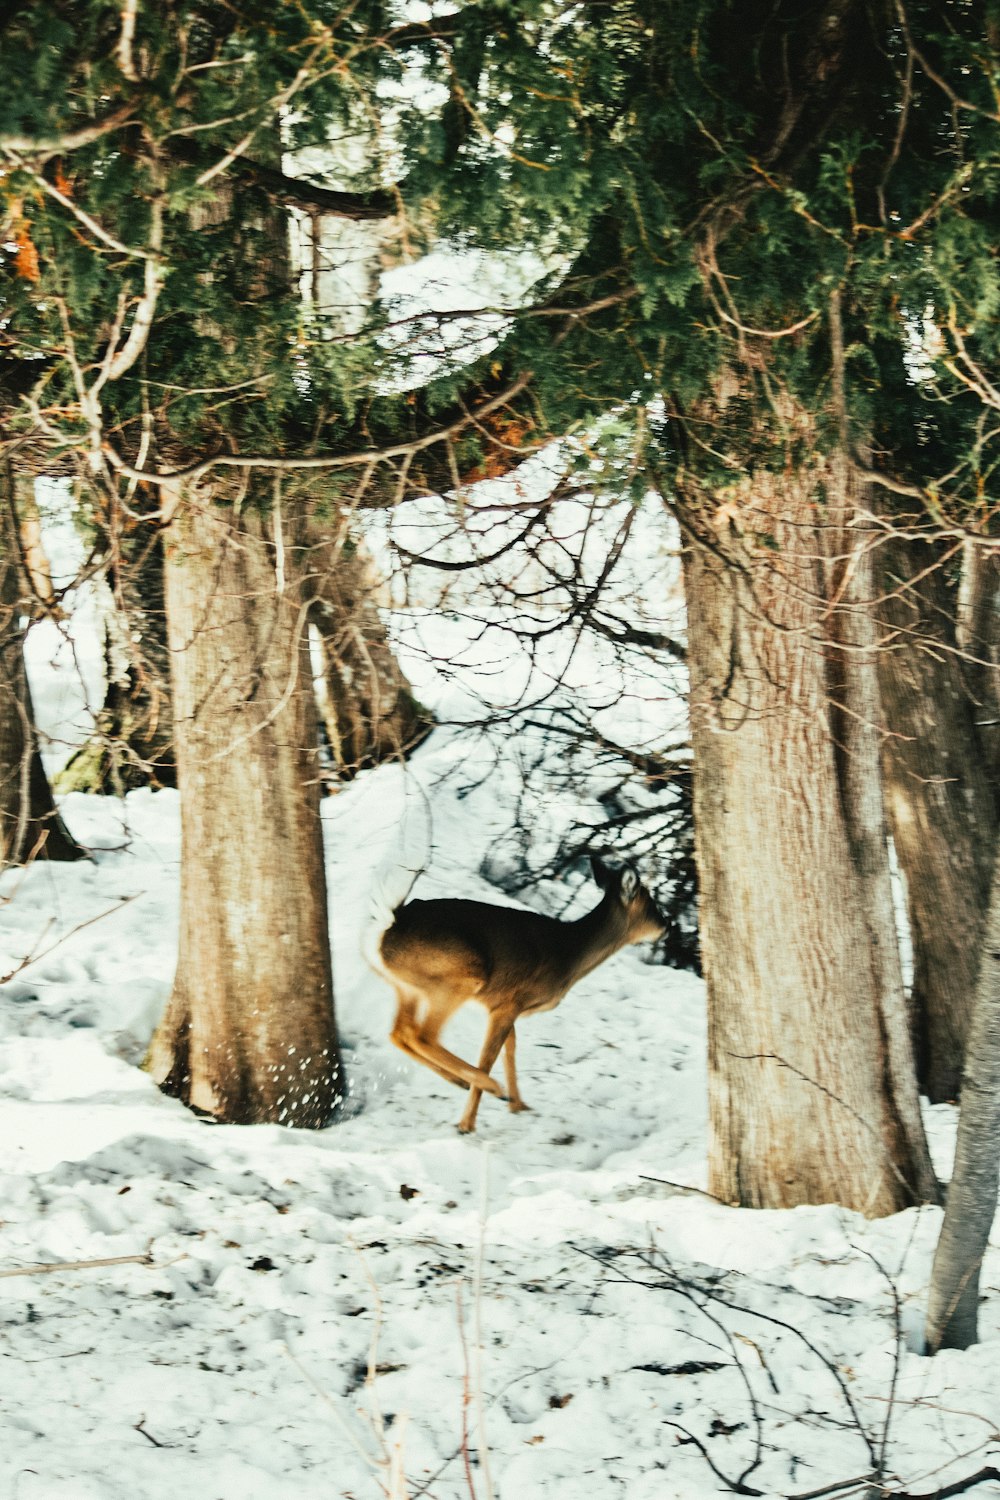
(602, 874)
(628, 884)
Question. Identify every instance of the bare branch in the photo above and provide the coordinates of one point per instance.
(332, 462)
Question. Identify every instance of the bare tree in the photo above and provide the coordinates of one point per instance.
(953, 1304)
(940, 798)
(30, 824)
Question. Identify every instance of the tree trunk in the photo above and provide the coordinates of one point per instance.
(249, 1032)
(812, 1094)
(972, 1194)
(368, 709)
(978, 635)
(942, 811)
(30, 825)
(132, 744)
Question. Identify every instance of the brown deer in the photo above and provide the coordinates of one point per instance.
(439, 954)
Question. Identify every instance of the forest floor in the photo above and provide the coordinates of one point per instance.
(551, 1309)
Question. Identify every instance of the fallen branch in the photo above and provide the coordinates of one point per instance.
(957, 1487)
(46, 1267)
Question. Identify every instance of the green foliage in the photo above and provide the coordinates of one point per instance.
(702, 185)
(223, 363)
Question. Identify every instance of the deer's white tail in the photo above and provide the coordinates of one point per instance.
(391, 885)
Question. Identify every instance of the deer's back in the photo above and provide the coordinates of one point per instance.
(503, 949)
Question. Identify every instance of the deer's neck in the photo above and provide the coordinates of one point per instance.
(594, 938)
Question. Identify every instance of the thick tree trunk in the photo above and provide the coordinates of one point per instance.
(249, 1032)
(132, 744)
(812, 1094)
(942, 810)
(368, 709)
(30, 825)
(972, 1194)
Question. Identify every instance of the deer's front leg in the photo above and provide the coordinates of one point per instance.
(498, 1027)
(514, 1099)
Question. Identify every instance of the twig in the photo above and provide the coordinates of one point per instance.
(140, 1427)
(897, 1358)
(683, 1187)
(45, 1267)
(370, 1460)
(958, 1487)
(682, 1289)
(477, 1288)
(832, 1489)
(33, 958)
(736, 1485)
(466, 1393)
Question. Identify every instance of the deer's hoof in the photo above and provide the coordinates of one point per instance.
(518, 1106)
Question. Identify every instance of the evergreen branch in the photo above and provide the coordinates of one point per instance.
(80, 214)
(956, 99)
(769, 333)
(70, 140)
(271, 110)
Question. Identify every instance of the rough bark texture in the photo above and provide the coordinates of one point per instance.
(30, 825)
(249, 1033)
(368, 709)
(941, 805)
(132, 744)
(972, 1194)
(812, 1095)
(978, 633)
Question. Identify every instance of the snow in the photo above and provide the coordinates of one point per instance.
(552, 1309)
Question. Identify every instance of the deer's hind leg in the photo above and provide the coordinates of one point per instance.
(405, 1031)
(418, 1038)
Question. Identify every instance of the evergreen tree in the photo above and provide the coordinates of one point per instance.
(781, 218)
(765, 275)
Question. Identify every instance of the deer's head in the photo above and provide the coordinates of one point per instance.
(621, 882)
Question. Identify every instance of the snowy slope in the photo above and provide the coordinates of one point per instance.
(549, 1310)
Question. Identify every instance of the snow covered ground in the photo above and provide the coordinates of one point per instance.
(548, 1310)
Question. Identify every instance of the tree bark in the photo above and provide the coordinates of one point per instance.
(249, 1032)
(942, 809)
(30, 825)
(972, 1194)
(132, 744)
(811, 1087)
(978, 636)
(368, 708)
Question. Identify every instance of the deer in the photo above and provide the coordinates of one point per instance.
(440, 954)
